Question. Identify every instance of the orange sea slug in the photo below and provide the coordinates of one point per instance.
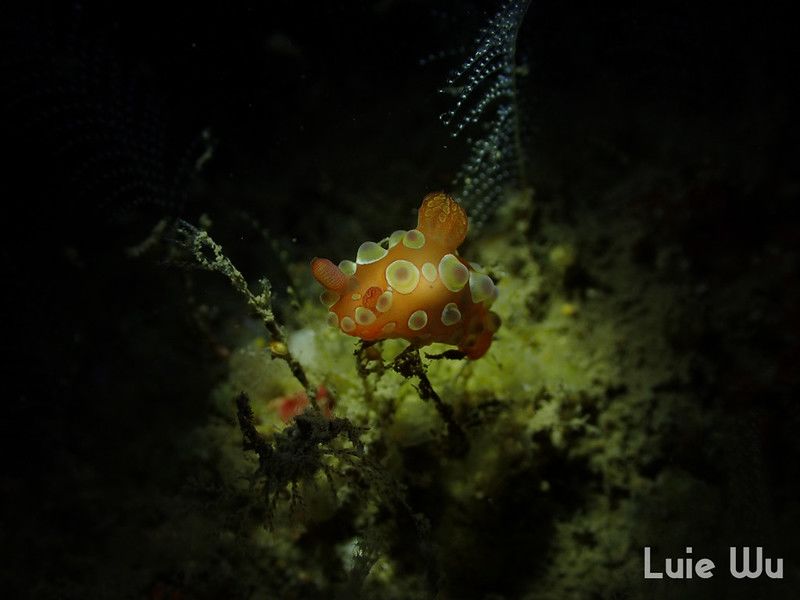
(413, 285)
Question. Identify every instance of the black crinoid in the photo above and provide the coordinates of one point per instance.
(486, 109)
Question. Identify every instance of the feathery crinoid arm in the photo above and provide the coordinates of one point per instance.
(486, 81)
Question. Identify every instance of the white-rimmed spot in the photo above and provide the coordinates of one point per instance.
(453, 273)
(364, 316)
(414, 239)
(480, 286)
(396, 237)
(417, 320)
(348, 267)
(450, 314)
(384, 302)
(333, 319)
(370, 252)
(403, 276)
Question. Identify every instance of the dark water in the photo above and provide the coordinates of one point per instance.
(662, 141)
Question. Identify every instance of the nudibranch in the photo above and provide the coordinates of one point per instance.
(413, 285)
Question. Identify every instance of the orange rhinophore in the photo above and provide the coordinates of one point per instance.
(413, 285)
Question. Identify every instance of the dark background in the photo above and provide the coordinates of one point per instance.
(321, 117)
